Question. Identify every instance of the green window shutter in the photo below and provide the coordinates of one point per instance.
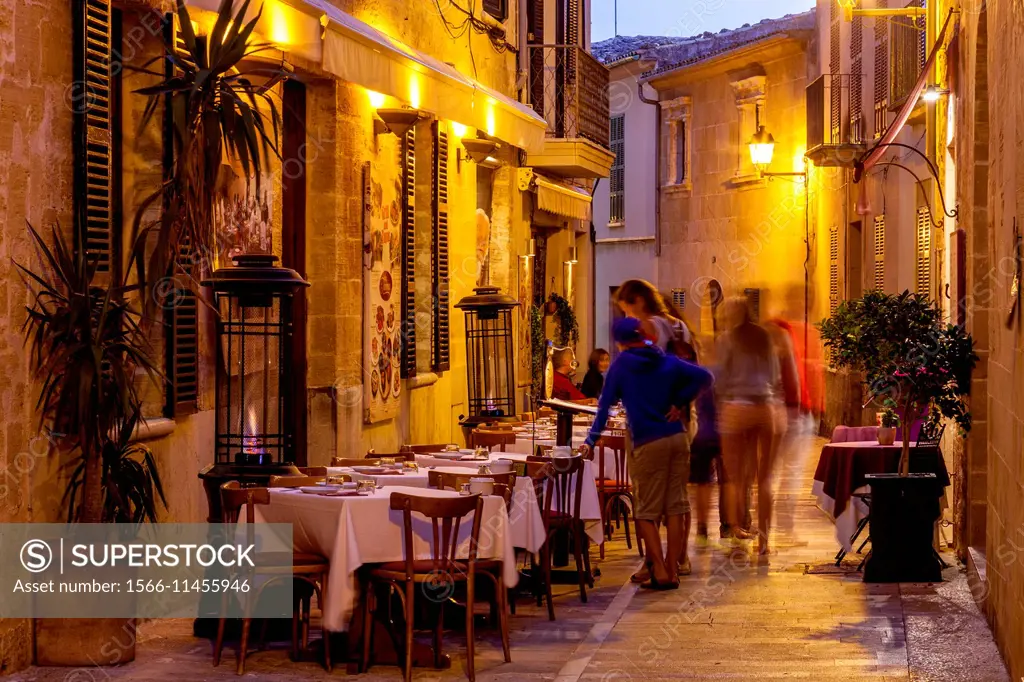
(880, 252)
(924, 252)
(441, 355)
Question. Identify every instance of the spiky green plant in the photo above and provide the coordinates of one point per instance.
(86, 348)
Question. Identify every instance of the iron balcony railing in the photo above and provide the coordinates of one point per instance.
(569, 88)
(835, 112)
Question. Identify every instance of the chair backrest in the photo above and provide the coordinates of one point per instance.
(297, 481)
(527, 417)
(558, 484)
(424, 449)
(403, 456)
(545, 412)
(313, 471)
(505, 492)
(930, 433)
(611, 460)
(233, 497)
(351, 462)
(850, 434)
(454, 481)
(445, 515)
(483, 438)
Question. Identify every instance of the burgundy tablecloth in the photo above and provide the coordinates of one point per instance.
(843, 466)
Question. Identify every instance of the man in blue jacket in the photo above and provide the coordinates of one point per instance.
(655, 389)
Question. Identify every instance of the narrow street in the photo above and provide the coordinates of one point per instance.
(794, 616)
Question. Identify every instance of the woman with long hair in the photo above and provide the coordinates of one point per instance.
(747, 386)
(593, 380)
(640, 299)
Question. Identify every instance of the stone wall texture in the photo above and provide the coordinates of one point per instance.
(991, 175)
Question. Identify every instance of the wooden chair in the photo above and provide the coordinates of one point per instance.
(545, 412)
(409, 575)
(371, 461)
(485, 438)
(527, 417)
(613, 487)
(313, 471)
(425, 449)
(504, 485)
(452, 481)
(558, 484)
(309, 568)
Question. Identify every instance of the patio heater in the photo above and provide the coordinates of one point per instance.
(490, 370)
(254, 415)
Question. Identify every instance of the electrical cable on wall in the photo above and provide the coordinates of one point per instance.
(495, 35)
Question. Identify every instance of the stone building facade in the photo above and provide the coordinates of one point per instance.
(341, 135)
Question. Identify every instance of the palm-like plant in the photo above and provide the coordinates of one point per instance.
(86, 347)
(216, 111)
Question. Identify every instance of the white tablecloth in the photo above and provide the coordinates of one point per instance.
(412, 479)
(352, 531)
(590, 506)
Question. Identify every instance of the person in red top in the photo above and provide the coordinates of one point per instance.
(562, 387)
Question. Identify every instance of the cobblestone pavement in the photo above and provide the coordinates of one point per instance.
(792, 616)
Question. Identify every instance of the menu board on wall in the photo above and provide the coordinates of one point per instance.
(382, 284)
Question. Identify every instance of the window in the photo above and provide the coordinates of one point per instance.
(677, 120)
(617, 181)
(833, 268)
(924, 252)
(753, 297)
(496, 8)
(750, 113)
(880, 252)
(881, 77)
(425, 266)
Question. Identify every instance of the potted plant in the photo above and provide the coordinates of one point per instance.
(218, 110)
(887, 423)
(86, 349)
(915, 362)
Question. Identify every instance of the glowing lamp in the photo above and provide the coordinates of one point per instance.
(932, 93)
(762, 148)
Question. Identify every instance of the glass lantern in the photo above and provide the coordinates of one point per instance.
(490, 370)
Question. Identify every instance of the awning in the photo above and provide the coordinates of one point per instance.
(562, 200)
(903, 116)
(359, 53)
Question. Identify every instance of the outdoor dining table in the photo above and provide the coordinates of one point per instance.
(841, 472)
(357, 530)
(525, 529)
(526, 526)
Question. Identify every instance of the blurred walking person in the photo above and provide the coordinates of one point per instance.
(747, 381)
(652, 387)
(790, 422)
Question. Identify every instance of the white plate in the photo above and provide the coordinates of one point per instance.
(369, 470)
(448, 455)
(329, 492)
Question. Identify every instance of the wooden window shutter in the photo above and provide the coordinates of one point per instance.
(835, 66)
(93, 147)
(181, 310)
(408, 166)
(441, 355)
(753, 297)
(924, 251)
(881, 75)
(879, 252)
(833, 267)
(617, 181)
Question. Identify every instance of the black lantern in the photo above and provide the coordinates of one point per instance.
(490, 369)
(254, 301)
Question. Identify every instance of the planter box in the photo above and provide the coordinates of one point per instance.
(903, 514)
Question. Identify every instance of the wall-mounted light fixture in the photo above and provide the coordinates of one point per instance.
(398, 121)
(932, 94)
(762, 149)
(477, 150)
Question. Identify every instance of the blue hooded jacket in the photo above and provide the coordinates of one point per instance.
(649, 383)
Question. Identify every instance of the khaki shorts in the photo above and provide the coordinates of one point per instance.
(659, 471)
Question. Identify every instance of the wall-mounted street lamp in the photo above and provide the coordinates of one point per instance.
(932, 94)
(762, 149)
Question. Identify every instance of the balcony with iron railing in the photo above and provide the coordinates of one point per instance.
(835, 119)
(569, 88)
(907, 57)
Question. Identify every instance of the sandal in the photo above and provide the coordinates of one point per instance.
(641, 576)
(653, 584)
